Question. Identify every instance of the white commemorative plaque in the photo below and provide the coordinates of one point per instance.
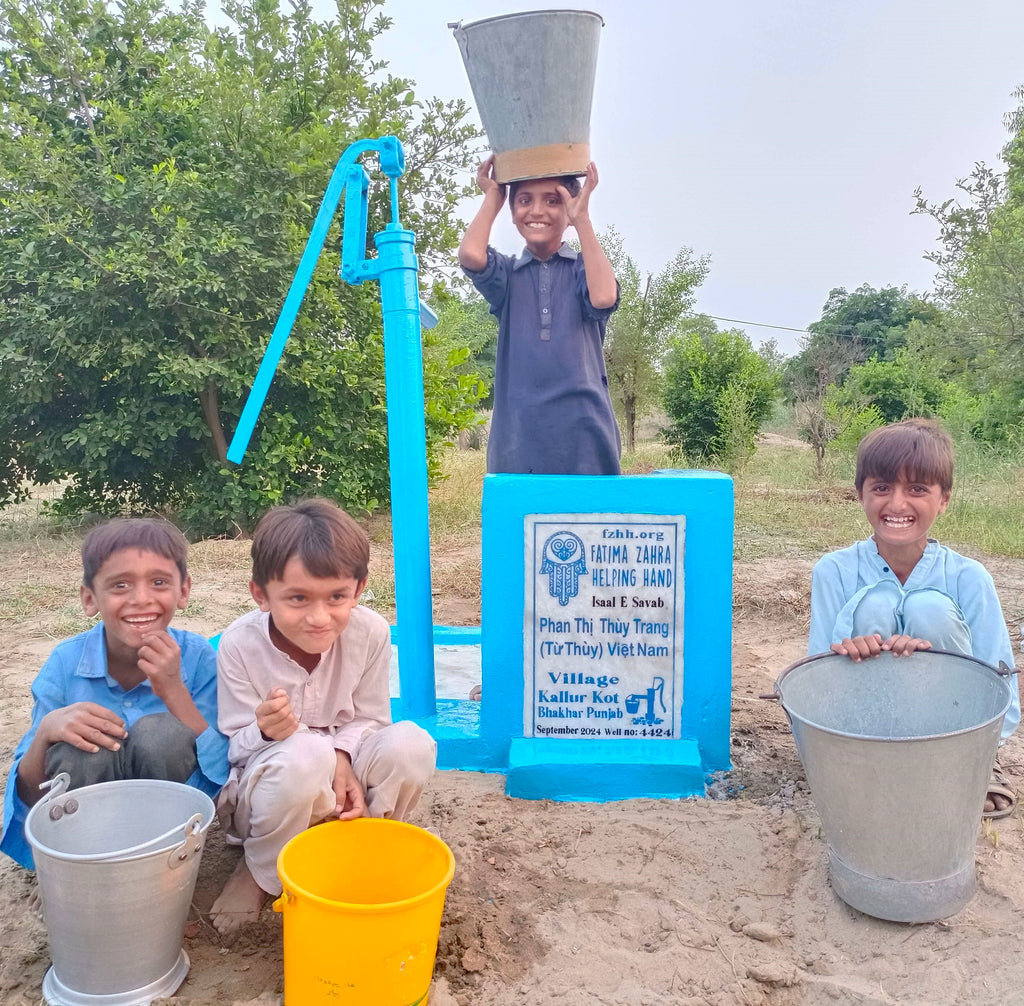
(603, 625)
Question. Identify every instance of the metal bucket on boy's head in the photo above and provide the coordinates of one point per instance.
(898, 752)
(117, 864)
(532, 76)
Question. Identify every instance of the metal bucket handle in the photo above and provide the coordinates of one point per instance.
(457, 26)
(55, 788)
(775, 695)
(192, 845)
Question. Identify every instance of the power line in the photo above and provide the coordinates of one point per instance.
(759, 324)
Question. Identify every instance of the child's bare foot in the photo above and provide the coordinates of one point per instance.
(239, 903)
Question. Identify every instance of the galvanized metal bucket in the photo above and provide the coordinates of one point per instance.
(532, 76)
(117, 864)
(898, 753)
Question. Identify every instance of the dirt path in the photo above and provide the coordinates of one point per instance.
(715, 902)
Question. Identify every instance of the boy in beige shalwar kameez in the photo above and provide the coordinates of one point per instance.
(303, 697)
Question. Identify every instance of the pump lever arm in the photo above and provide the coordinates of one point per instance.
(392, 163)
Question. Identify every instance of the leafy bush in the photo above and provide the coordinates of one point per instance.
(897, 388)
(718, 391)
(158, 180)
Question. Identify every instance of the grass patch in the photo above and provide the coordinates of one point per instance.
(30, 599)
(648, 457)
(380, 591)
(70, 621)
(782, 510)
(455, 500)
(773, 522)
(781, 465)
(985, 512)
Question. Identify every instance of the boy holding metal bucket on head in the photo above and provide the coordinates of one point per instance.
(131, 698)
(304, 698)
(900, 590)
(552, 410)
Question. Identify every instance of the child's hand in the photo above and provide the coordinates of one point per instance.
(351, 803)
(903, 646)
(160, 661)
(579, 208)
(487, 183)
(84, 725)
(274, 716)
(860, 647)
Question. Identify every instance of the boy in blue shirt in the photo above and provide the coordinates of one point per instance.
(130, 698)
(900, 590)
(552, 410)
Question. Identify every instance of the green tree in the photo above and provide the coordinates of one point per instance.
(158, 180)
(469, 330)
(718, 391)
(898, 388)
(776, 359)
(651, 309)
(980, 277)
(810, 380)
(853, 328)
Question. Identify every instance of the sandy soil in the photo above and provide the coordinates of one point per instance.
(712, 901)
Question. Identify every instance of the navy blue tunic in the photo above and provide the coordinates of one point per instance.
(552, 411)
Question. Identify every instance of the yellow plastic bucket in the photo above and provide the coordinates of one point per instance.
(362, 905)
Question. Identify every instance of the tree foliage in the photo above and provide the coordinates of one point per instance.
(718, 391)
(897, 388)
(860, 336)
(854, 328)
(980, 279)
(158, 180)
(467, 329)
(651, 309)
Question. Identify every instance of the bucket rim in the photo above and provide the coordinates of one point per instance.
(383, 907)
(133, 852)
(1000, 676)
(461, 26)
(533, 178)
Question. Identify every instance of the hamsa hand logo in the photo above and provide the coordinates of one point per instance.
(563, 561)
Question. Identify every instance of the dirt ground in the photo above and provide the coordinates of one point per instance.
(713, 901)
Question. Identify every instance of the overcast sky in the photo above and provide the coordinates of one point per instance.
(783, 139)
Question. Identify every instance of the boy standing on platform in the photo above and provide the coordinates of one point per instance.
(304, 699)
(552, 410)
(900, 590)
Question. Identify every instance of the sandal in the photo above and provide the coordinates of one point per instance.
(998, 786)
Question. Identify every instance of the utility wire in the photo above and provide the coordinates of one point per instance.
(759, 324)
(846, 332)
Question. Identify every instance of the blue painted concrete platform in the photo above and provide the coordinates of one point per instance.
(546, 758)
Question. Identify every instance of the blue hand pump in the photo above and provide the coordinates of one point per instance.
(396, 269)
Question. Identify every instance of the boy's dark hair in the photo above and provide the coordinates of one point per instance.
(916, 449)
(327, 541)
(146, 533)
(570, 182)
